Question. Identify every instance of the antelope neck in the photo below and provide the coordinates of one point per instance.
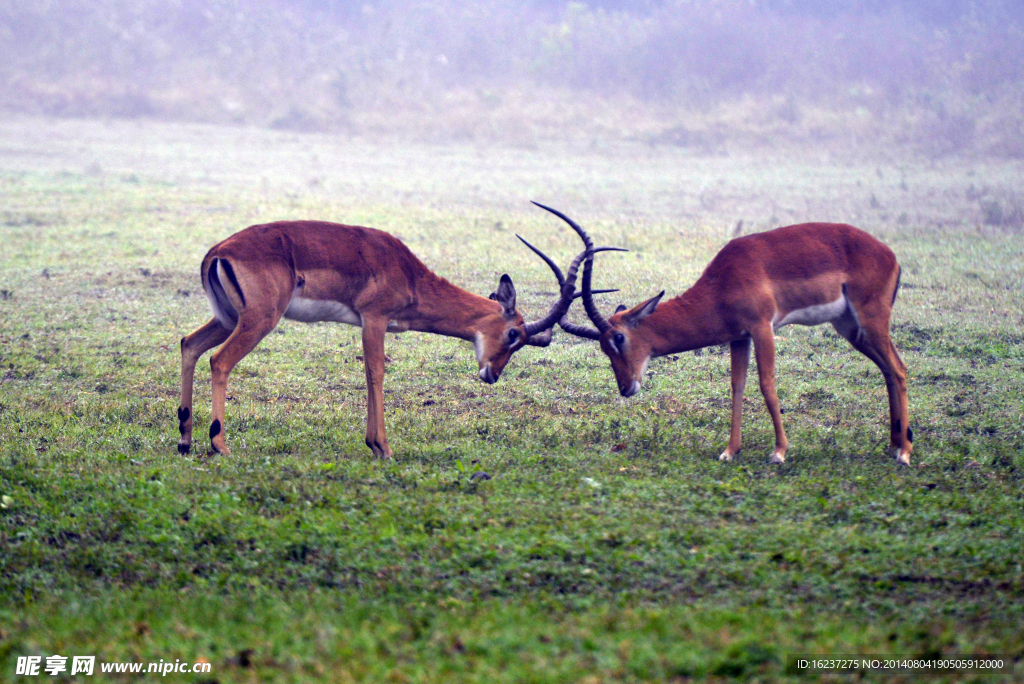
(446, 309)
(687, 322)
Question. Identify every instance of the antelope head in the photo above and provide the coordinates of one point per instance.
(628, 351)
(502, 334)
(621, 337)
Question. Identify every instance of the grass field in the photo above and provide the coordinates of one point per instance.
(609, 543)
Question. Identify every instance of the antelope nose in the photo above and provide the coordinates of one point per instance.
(631, 390)
(487, 376)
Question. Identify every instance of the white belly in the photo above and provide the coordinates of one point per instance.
(813, 315)
(315, 310)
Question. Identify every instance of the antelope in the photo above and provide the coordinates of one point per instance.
(316, 271)
(805, 274)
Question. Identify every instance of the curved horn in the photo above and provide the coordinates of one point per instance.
(540, 339)
(588, 296)
(543, 339)
(582, 330)
(587, 242)
(536, 326)
(558, 272)
(547, 260)
(578, 330)
(593, 313)
(579, 293)
(561, 307)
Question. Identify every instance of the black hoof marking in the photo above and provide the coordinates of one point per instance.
(183, 414)
(215, 428)
(184, 448)
(910, 434)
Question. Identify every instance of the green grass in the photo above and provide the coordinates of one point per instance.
(609, 544)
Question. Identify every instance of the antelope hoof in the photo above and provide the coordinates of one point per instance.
(215, 451)
(726, 456)
(184, 447)
(382, 452)
(903, 458)
(778, 457)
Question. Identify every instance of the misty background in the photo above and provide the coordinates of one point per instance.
(931, 77)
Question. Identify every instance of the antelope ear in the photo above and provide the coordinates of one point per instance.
(506, 296)
(642, 311)
(620, 307)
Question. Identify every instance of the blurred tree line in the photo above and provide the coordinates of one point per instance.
(647, 66)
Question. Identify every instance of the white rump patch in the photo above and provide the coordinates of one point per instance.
(227, 322)
(220, 305)
(814, 315)
(316, 310)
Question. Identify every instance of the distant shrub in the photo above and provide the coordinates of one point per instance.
(1000, 215)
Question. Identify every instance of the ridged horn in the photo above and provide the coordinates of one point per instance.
(588, 295)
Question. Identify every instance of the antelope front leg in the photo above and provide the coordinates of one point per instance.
(879, 348)
(764, 352)
(739, 353)
(871, 338)
(194, 346)
(373, 360)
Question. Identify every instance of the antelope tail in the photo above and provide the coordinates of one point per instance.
(224, 311)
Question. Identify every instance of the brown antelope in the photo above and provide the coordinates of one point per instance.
(806, 274)
(315, 271)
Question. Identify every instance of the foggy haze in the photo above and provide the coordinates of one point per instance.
(936, 78)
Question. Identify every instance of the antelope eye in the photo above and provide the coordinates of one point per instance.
(619, 339)
(513, 335)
